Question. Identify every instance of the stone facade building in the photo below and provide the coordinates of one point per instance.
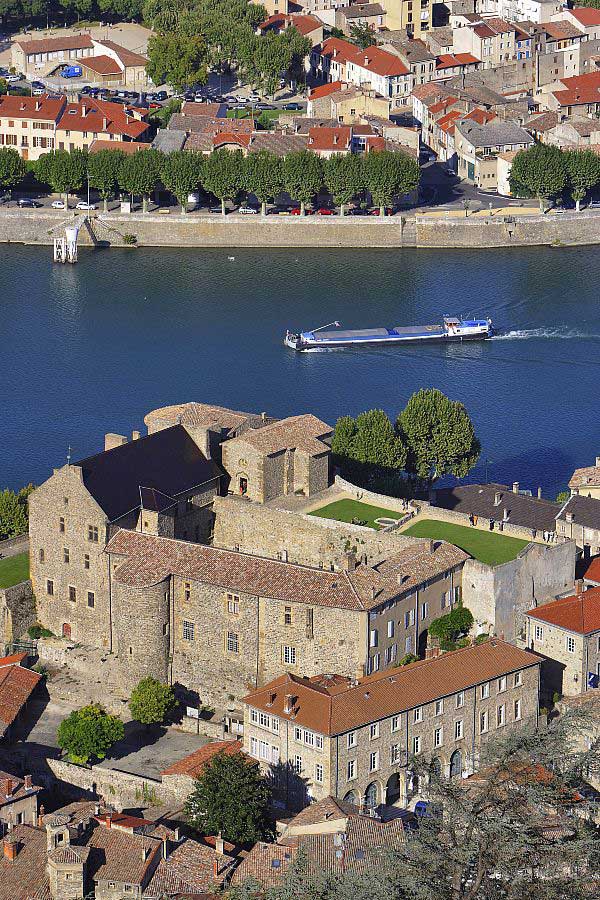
(566, 633)
(18, 801)
(221, 622)
(579, 521)
(586, 481)
(353, 739)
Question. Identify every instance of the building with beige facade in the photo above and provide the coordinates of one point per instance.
(567, 633)
(353, 738)
(586, 481)
(18, 801)
(103, 62)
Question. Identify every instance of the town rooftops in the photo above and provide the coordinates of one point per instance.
(25, 876)
(193, 765)
(337, 49)
(304, 432)
(326, 810)
(206, 415)
(266, 863)
(102, 65)
(127, 57)
(493, 134)
(302, 23)
(56, 44)
(16, 686)
(324, 90)
(152, 559)
(168, 460)
(43, 107)
(379, 61)
(449, 60)
(362, 10)
(333, 704)
(13, 788)
(430, 92)
(491, 500)
(127, 147)
(330, 139)
(579, 613)
(560, 30)
(93, 115)
(587, 475)
(211, 110)
(192, 869)
(580, 89)
(209, 124)
(583, 510)
(586, 16)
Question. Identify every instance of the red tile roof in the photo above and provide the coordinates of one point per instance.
(579, 613)
(16, 686)
(586, 16)
(335, 48)
(379, 61)
(127, 57)
(332, 705)
(212, 110)
(592, 572)
(40, 108)
(449, 60)
(15, 659)
(27, 875)
(101, 116)
(101, 65)
(561, 30)
(579, 89)
(303, 24)
(56, 44)
(442, 105)
(481, 116)
(325, 89)
(483, 31)
(330, 139)
(13, 788)
(226, 137)
(128, 147)
(193, 765)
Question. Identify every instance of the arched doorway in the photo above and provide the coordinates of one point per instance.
(371, 796)
(350, 797)
(456, 764)
(392, 791)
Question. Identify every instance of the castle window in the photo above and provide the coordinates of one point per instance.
(93, 533)
(319, 773)
(41, 554)
(233, 643)
(289, 656)
(91, 600)
(61, 525)
(72, 594)
(287, 615)
(65, 554)
(86, 561)
(66, 501)
(50, 588)
(233, 604)
(188, 631)
(187, 590)
(309, 624)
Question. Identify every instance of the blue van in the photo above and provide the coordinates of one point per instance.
(71, 72)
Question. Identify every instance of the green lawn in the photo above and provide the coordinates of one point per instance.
(487, 546)
(346, 510)
(14, 569)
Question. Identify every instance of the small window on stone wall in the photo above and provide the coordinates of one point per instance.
(91, 599)
(41, 554)
(72, 594)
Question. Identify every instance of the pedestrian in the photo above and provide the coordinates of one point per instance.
(471, 519)
(491, 524)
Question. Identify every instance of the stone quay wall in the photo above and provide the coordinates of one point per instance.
(235, 231)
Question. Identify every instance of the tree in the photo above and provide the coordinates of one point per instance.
(439, 436)
(231, 797)
(224, 174)
(14, 517)
(104, 168)
(583, 170)
(139, 174)
(88, 733)
(367, 446)
(182, 173)
(344, 177)
(388, 174)
(451, 627)
(302, 176)
(177, 59)
(563, 496)
(63, 171)
(264, 177)
(150, 701)
(361, 35)
(539, 171)
(12, 168)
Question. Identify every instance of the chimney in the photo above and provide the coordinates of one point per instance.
(497, 498)
(135, 435)
(598, 462)
(104, 123)
(349, 561)
(10, 848)
(289, 703)
(220, 845)
(263, 416)
(38, 105)
(83, 110)
(40, 820)
(569, 517)
(539, 493)
(431, 546)
(114, 440)
(515, 487)
(579, 587)
(27, 782)
(505, 514)
(146, 851)
(7, 786)
(335, 139)
(108, 820)
(165, 847)
(432, 652)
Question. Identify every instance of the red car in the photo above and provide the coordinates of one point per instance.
(296, 211)
(375, 212)
(324, 211)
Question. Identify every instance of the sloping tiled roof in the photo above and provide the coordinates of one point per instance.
(56, 44)
(128, 147)
(338, 138)
(193, 764)
(592, 570)
(189, 868)
(266, 863)
(561, 30)
(209, 124)
(210, 110)
(204, 414)
(93, 115)
(325, 89)
(117, 855)
(303, 432)
(587, 475)
(338, 49)
(579, 613)
(25, 877)
(13, 788)
(586, 16)
(333, 706)
(323, 811)
(585, 511)
(449, 60)
(127, 57)
(16, 686)
(168, 460)
(362, 10)
(579, 89)
(480, 500)
(102, 65)
(44, 107)
(379, 61)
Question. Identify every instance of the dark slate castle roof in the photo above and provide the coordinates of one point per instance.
(168, 461)
(480, 500)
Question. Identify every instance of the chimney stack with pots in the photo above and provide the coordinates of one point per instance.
(349, 561)
(515, 487)
(10, 848)
(579, 586)
(27, 782)
(220, 845)
(497, 498)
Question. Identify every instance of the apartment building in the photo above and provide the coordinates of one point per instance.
(491, 40)
(383, 72)
(478, 145)
(353, 739)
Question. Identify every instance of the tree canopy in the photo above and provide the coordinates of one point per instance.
(150, 701)
(177, 59)
(388, 174)
(344, 177)
(303, 176)
(104, 168)
(13, 512)
(540, 172)
(139, 174)
(264, 176)
(583, 172)
(12, 167)
(182, 173)
(231, 797)
(88, 733)
(224, 172)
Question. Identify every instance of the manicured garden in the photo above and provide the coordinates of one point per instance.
(488, 547)
(354, 511)
(14, 569)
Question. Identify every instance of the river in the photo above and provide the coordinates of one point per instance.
(91, 348)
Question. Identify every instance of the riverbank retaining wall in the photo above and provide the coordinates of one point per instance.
(235, 231)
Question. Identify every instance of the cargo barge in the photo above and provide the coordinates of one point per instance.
(450, 329)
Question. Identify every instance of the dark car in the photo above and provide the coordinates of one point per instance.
(388, 211)
(292, 106)
(215, 209)
(161, 95)
(84, 90)
(357, 211)
(188, 97)
(263, 106)
(27, 203)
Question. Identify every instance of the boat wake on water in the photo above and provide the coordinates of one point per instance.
(561, 333)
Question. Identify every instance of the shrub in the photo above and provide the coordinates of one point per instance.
(481, 638)
(130, 239)
(406, 659)
(38, 631)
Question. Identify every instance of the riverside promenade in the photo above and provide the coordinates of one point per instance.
(435, 228)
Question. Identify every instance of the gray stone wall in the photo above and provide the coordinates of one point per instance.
(121, 789)
(141, 624)
(17, 611)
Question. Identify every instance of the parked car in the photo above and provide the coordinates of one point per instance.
(296, 211)
(263, 106)
(5, 197)
(325, 211)
(594, 204)
(449, 173)
(71, 72)
(58, 204)
(83, 204)
(388, 211)
(11, 78)
(358, 211)
(161, 95)
(38, 84)
(247, 211)
(37, 91)
(84, 90)
(292, 106)
(27, 203)
(215, 209)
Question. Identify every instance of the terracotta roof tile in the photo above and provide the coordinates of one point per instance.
(325, 89)
(101, 65)
(267, 863)
(337, 49)
(12, 787)
(205, 110)
(586, 16)
(193, 765)
(56, 44)
(323, 811)
(127, 57)
(198, 414)
(333, 706)
(379, 61)
(587, 475)
(304, 432)
(592, 571)
(101, 116)
(330, 139)
(16, 686)
(128, 147)
(499, 502)
(585, 511)
(25, 877)
(561, 30)
(227, 137)
(117, 855)
(44, 107)
(189, 868)
(579, 613)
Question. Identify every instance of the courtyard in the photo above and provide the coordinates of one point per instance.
(14, 569)
(349, 510)
(488, 547)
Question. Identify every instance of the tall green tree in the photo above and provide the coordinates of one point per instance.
(362, 35)
(439, 436)
(178, 59)
(182, 173)
(12, 168)
(140, 173)
(539, 172)
(231, 797)
(367, 446)
(88, 733)
(64, 172)
(224, 174)
(302, 176)
(583, 171)
(389, 174)
(151, 701)
(344, 177)
(14, 512)
(264, 177)
(104, 168)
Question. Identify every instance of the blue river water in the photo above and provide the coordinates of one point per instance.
(91, 348)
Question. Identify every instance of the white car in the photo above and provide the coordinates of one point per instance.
(58, 204)
(84, 205)
(12, 78)
(247, 211)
